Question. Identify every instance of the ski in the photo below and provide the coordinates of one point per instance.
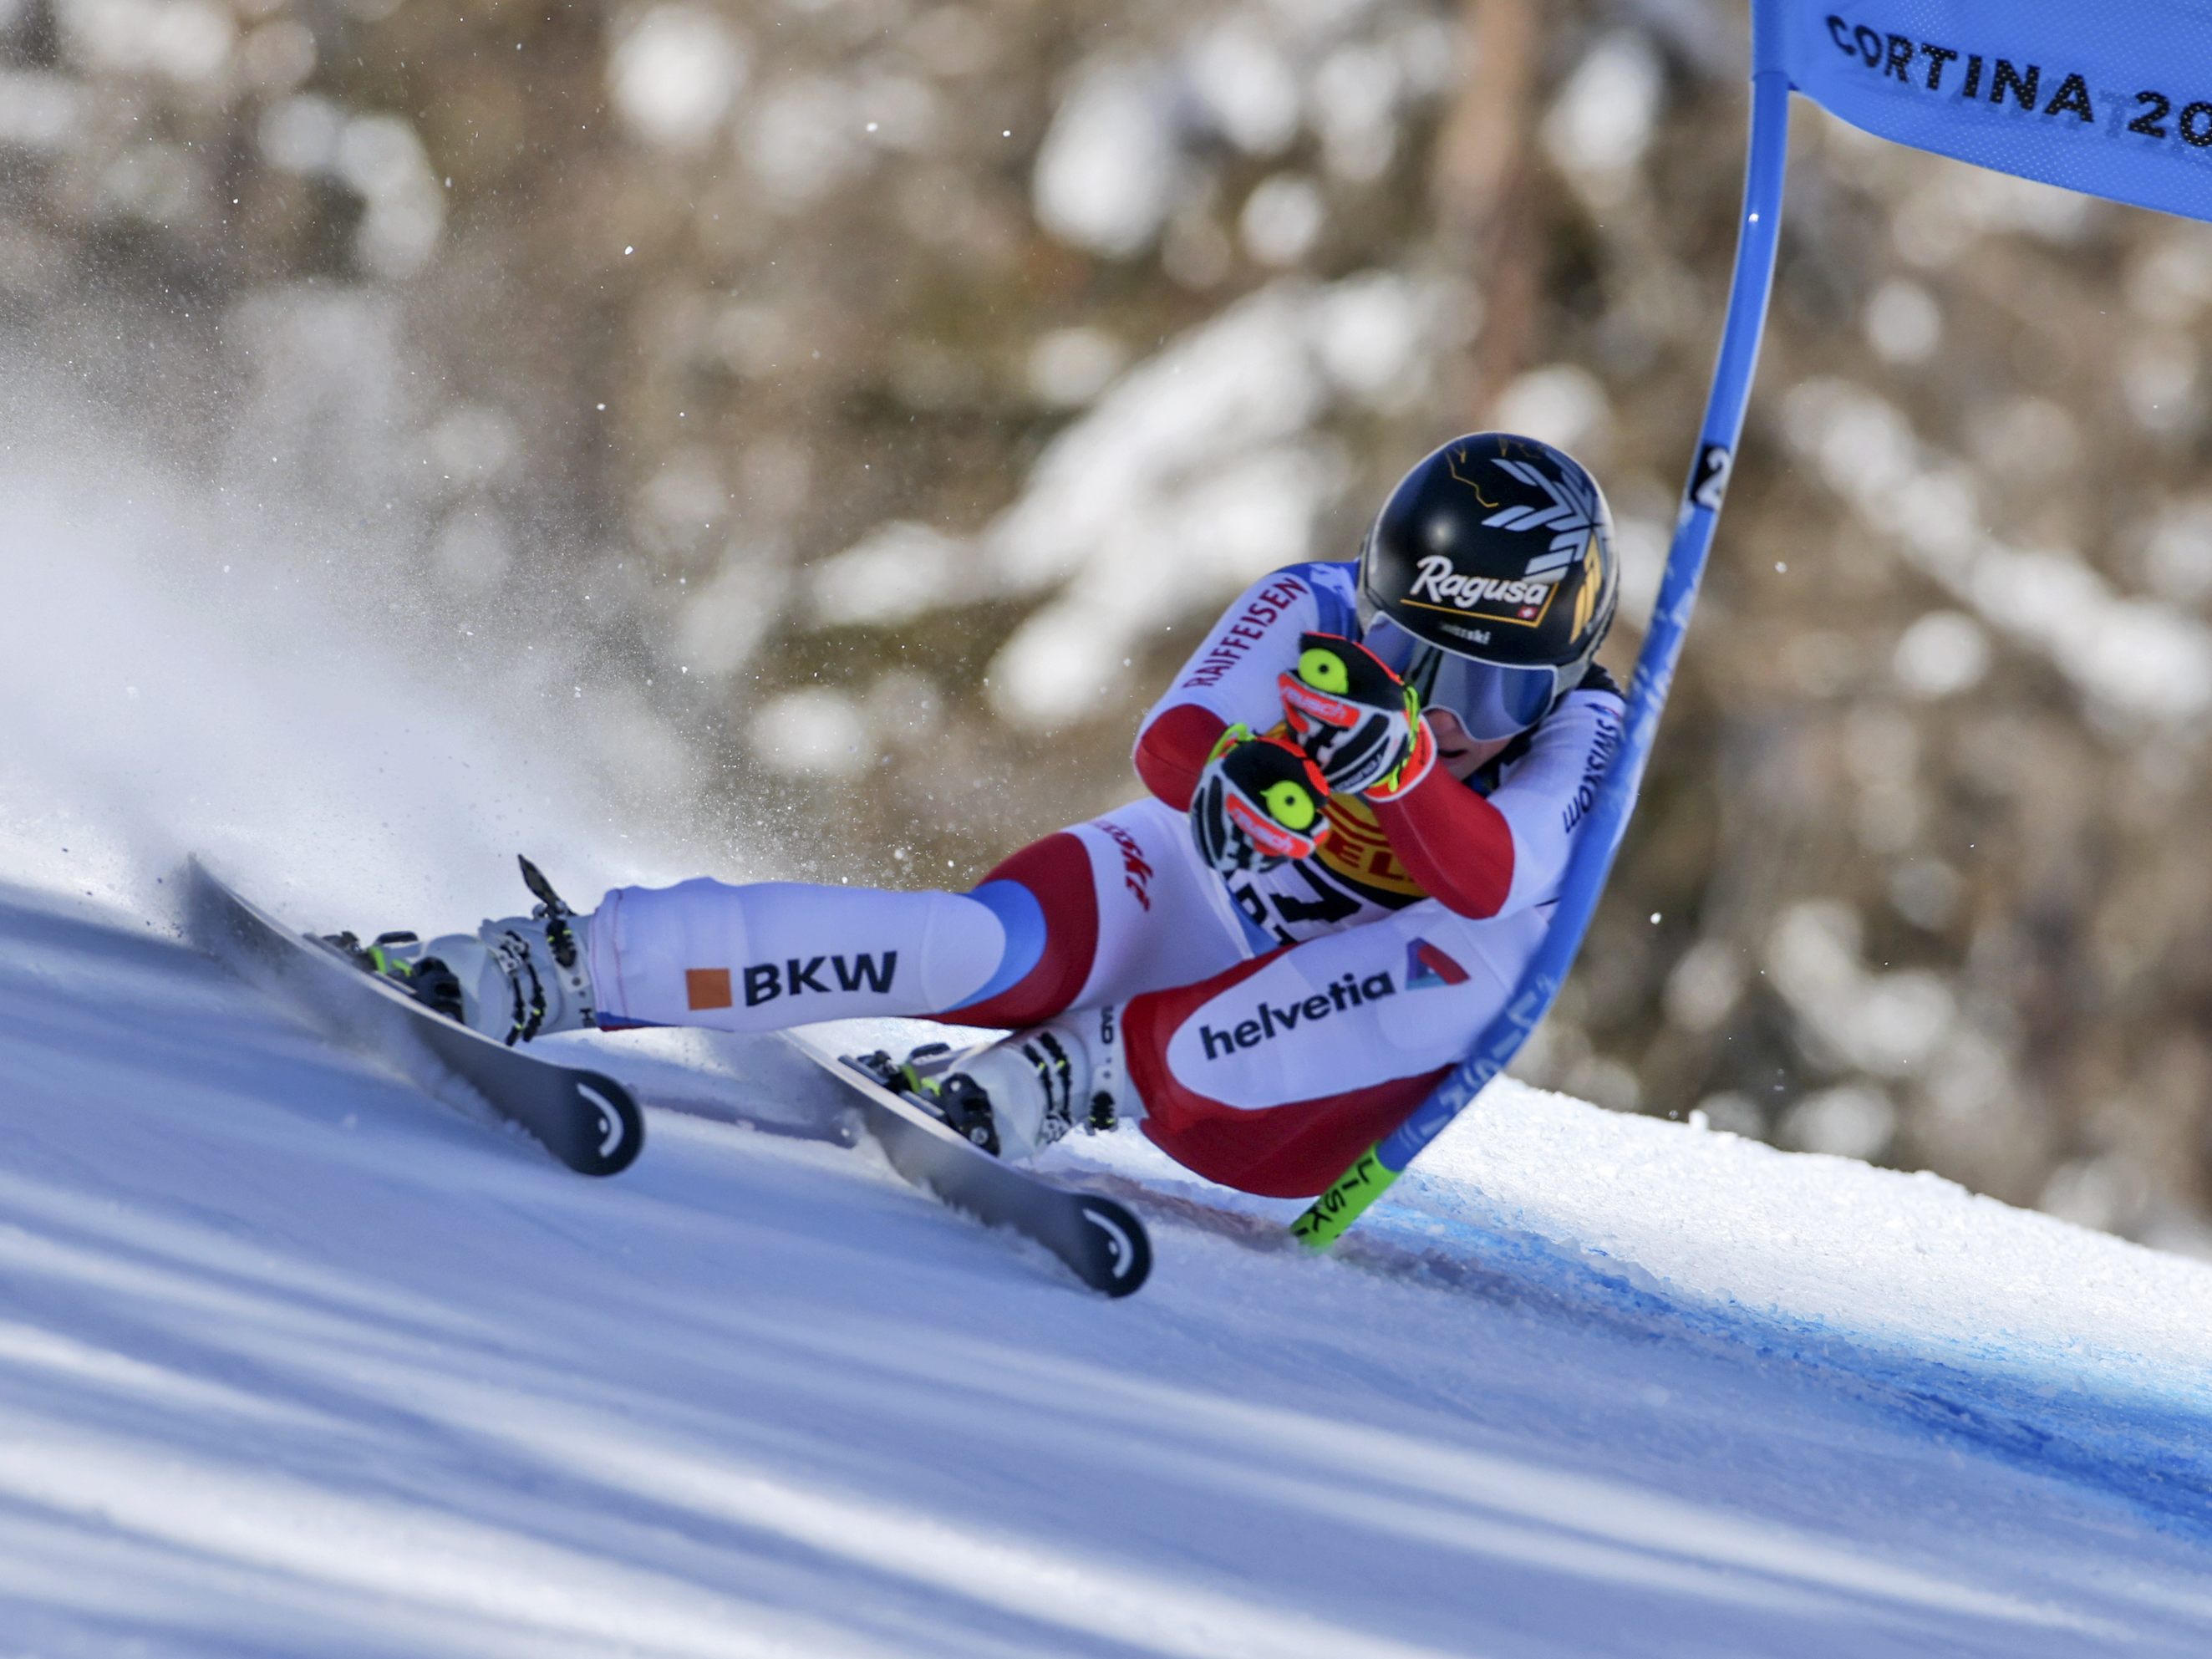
(1102, 1241)
(586, 1119)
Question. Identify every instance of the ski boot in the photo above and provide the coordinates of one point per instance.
(512, 980)
(400, 959)
(1018, 1096)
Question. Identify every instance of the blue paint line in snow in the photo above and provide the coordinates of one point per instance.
(2027, 1407)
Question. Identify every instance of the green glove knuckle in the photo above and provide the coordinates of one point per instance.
(1324, 670)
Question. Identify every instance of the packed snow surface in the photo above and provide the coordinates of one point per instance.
(295, 1359)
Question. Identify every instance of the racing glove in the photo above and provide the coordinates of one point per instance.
(1359, 721)
(1258, 803)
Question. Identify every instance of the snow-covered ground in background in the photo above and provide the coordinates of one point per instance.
(294, 1361)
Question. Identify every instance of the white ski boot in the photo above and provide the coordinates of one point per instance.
(1019, 1095)
(520, 977)
(513, 979)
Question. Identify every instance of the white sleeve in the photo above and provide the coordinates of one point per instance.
(1232, 674)
(1546, 795)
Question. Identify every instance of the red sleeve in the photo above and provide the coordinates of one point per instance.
(1172, 749)
(1453, 842)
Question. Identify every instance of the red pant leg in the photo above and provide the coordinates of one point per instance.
(1290, 1150)
(1057, 872)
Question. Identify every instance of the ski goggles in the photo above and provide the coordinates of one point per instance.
(1491, 700)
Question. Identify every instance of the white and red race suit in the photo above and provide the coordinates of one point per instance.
(1273, 1024)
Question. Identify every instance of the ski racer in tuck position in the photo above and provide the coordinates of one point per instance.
(1363, 787)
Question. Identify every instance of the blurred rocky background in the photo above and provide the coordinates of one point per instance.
(855, 407)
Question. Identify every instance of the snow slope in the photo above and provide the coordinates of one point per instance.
(295, 1360)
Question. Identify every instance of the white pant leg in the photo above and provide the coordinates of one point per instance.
(1164, 918)
(1398, 998)
(774, 954)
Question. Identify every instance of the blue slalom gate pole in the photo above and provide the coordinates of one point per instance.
(1591, 862)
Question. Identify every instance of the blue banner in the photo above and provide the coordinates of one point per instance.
(2112, 98)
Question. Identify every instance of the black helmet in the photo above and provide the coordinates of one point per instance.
(1489, 580)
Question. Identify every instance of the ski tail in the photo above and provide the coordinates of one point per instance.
(586, 1119)
(1100, 1241)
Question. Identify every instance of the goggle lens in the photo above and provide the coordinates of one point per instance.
(1491, 700)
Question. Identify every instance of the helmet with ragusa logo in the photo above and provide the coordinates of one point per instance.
(1489, 579)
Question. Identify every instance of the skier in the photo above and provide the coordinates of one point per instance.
(1363, 787)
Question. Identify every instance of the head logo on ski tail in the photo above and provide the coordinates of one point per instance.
(611, 1133)
(621, 1128)
(1128, 1252)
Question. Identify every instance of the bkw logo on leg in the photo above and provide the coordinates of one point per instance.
(793, 976)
